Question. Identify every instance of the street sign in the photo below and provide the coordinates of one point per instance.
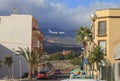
(85, 60)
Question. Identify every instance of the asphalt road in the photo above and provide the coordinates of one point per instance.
(50, 80)
(46, 79)
(57, 78)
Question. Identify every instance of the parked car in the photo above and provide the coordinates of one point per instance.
(57, 72)
(25, 75)
(42, 75)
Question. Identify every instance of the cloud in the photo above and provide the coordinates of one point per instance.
(52, 14)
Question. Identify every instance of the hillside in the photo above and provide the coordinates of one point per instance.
(57, 43)
(57, 47)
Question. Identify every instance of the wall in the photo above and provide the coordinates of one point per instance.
(112, 18)
(15, 31)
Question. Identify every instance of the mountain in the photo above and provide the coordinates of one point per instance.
(57, 47)
(57, 43)
(61, 40)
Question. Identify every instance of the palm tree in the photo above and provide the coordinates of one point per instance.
(97, 56)
(32, 57)
(83, 35)
(8, 62)
(90, 61)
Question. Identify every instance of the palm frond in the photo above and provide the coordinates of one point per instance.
(8, 61)
(83, 33)
(22, 52)
(98, 54)
(27, 53)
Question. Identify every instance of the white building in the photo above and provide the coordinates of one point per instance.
(16, 31)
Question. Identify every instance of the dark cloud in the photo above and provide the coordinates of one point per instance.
(53, 14)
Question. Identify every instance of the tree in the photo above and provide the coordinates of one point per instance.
(56, 56)
(83, 35)
(8, 62)
(96, 56)
(90, 61)
(32, 57)
(70, 55)
(76, 61)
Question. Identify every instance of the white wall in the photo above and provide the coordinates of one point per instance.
(16, 65)
(15, 31)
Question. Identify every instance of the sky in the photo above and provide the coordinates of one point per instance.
(64, 14)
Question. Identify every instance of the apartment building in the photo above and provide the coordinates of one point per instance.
(106, 33)
(18, 30)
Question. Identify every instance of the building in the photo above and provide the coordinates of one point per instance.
(106, 33)
(18, 30)
(65, 52)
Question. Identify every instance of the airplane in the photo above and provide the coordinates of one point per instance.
(57, 33)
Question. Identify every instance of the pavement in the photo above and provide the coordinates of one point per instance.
(23, 79)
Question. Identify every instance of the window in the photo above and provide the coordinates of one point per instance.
(102, 44)
(101, 28)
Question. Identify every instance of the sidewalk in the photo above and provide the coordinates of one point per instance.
(23, 79)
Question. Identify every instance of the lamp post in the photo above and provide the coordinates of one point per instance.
(13, 67)
(93, 18)
(13, 55)
(84, 57)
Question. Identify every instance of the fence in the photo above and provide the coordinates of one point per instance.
(107, 73)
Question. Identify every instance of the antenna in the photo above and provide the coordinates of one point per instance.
(15, 10)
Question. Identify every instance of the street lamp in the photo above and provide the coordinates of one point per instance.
(13, 56)
(93, 18)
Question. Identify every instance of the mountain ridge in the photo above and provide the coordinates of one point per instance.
(57, 47)
(57, 43)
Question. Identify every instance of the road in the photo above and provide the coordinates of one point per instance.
(51, 80)
(45, 80)
(58, 79)
(55, 78)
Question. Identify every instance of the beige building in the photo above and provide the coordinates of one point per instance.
(106, 33)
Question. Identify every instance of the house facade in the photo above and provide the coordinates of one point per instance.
(18, 30)
(106, 34)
